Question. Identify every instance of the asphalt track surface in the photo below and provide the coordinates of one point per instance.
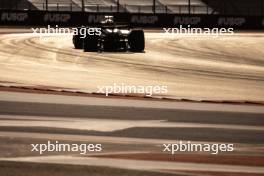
(126, 126)
(195, 67)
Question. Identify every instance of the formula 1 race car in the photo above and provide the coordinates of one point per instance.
(109, 37)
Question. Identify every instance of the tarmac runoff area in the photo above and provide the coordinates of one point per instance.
(196, 67)
(132, 133)
(142, 165)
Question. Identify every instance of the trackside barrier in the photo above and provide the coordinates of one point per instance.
(43, 18)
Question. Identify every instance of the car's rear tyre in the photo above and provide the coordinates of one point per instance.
(77, 42)
(90, 43)
(136, 41)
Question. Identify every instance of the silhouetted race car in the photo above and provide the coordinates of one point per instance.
(110, 37)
